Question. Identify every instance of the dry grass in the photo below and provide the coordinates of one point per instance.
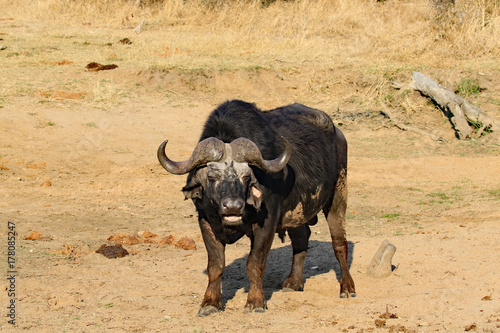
(332, 33)
(345, 51)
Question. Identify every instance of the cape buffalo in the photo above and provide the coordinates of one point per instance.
(256, 173)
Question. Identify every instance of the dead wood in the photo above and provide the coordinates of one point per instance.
(388, 114)
(381, 264)
(460, 111)
(94, 67)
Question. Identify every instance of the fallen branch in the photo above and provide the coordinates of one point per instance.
(381, 264)
(388, 114)
(462, 112)
(139, 27)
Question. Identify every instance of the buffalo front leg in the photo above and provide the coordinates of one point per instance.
(212, 301)
(262, 239)
(335, 216)
(300, 240)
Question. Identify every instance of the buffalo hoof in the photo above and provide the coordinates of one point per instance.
(347, 295)
(256, 310)
(207, 311)
(291, 284)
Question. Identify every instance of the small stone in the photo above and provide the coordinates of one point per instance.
(46, 183)
(147, 234)
(388, 315)
(149, 237)
(125, 41)
(124, 239)
(112, 252)
(34, 235)
(379, 322)
(169, 240)
(186, 244)
(471, 327)
(381, 264)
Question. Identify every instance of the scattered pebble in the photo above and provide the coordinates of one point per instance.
(471, 327)
(34, 235)
(379, 322)
(68, 249)
(388, 315)
(124, 239)
(113, 251)
(125, 41)
(94, 67)
(46, 183)
(169, 240)
(186, 244)
(146, 237)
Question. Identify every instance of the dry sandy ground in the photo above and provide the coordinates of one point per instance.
(438, 203)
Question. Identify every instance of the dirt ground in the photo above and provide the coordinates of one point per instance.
(79, 170)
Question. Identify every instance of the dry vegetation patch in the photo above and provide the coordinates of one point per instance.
(358, 32)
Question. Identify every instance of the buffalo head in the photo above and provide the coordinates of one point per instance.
(222, 176)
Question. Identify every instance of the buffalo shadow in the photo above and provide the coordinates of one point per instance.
(320, 260)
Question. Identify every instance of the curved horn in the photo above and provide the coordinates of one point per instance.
(245, 150)
(208, 150)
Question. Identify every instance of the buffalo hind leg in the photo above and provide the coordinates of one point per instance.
(335, 216)
(212, 302)
(300, 240)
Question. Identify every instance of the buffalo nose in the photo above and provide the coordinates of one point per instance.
(232, 206)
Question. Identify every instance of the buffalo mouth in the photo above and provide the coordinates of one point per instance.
(232, 219)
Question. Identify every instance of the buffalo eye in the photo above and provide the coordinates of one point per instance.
(245, 177)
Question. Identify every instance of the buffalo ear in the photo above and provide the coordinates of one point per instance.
(194, 187)
(254, 196)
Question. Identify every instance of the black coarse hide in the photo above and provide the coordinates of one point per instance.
(266, 172)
